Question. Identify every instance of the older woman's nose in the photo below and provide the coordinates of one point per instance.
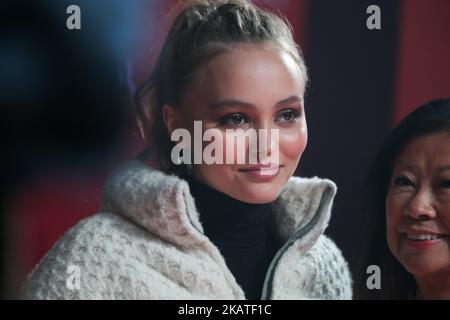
(421, 206)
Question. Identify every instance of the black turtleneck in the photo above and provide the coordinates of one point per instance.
(242, 232)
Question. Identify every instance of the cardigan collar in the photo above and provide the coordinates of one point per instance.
(163, 205)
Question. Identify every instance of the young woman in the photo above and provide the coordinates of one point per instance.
(409, 197)
(176, 230)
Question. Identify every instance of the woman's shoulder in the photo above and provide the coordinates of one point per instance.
(84, 255)
(321, 272)
(99, 229)
(334, 280)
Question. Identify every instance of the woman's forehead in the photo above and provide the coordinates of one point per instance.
(247, 75)
(427, 151)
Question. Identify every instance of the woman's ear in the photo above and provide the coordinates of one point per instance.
(171, 118)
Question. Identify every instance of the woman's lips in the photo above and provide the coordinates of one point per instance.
(261, 173)
(423, 240)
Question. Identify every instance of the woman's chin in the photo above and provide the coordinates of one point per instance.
(424, 266)
(258, 196)
(260, 200)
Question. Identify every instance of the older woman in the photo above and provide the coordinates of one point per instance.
(409, 200)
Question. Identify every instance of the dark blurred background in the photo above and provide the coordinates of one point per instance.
(67, 118)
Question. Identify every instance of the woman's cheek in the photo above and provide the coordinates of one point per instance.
(395, 207)
(393, 219)
(445, 211)
(293, 142)
(230, 151)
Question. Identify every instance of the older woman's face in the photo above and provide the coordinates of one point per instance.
(249, 87)
(418, 206)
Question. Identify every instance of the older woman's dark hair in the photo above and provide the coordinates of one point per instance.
(396, 282)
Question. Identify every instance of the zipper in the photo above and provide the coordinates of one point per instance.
(267, 286)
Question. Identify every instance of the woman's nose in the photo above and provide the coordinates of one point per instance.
(267, 143)
(421, 206)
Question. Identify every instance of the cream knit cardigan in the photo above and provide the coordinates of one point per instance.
(148, 243)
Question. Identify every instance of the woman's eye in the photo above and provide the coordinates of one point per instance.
(288, 116)
(234, 119)
(402, 181)
(445, 184)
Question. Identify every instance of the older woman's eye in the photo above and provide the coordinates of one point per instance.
(234, 119)
(288, 116)
(445, 184)
(402, 181)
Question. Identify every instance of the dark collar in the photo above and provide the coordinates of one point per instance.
(227, 221)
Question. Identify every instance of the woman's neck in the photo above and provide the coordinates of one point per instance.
(227, 220)
(435, 287)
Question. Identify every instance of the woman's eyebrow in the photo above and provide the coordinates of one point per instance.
(291, 99)
(405, 165)
(240, 103)
(231, 103)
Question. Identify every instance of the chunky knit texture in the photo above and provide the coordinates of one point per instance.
(148, 243)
